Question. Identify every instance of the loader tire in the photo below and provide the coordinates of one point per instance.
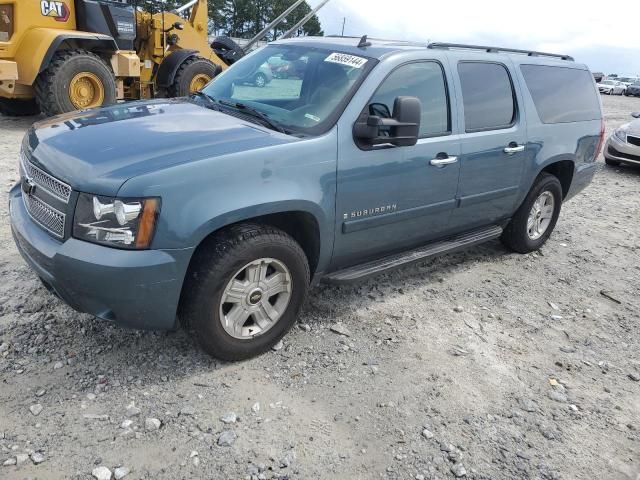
(75, 80)
(192, 76)
(16, 107)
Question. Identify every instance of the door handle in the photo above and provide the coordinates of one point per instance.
(441, 162)
(513, 148)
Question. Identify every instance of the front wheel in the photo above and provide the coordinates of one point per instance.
(244, 290)
(75, 80)
(536, 218)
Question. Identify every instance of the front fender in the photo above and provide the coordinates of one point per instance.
(169, 66)
(39, 45)
(202, 196)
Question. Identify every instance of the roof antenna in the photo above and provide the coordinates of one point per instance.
(364, 43)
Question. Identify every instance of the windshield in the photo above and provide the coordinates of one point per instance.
(298, 88)
(609, 82)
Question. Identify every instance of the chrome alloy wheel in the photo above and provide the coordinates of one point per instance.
(255, 299)
(540, 215)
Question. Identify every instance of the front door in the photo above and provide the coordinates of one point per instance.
(390, 198)
(493, 145)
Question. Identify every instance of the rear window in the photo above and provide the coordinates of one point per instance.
(487, 96)
(562, 95)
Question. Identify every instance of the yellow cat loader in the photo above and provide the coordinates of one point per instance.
(62, 55)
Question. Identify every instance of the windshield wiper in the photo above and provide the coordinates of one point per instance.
(210, 100)
(255, 113)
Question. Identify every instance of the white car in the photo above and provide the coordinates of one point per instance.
(611, 87)
(626, 81)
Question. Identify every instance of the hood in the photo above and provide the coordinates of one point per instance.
(98, 150)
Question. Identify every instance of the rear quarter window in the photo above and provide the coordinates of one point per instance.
(562, 95)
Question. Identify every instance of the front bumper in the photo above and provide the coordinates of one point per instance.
(137, 289)
(617, 150)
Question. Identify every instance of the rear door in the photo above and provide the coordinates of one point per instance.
(493, 142)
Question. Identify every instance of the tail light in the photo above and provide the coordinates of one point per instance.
(6, 22)
(600, 141)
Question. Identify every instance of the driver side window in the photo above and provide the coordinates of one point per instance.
(424, 80)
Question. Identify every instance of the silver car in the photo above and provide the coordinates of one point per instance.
(611, 87)
(623, 145)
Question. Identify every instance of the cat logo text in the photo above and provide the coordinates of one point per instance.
(58, 10)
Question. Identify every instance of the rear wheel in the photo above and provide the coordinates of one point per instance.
(192, 76)
(245, 290)
(15, 107)
(536, 218)
(75, 80)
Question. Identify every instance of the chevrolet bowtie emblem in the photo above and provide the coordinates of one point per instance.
(28, 186)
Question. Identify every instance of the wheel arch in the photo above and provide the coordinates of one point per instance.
(40, 45)
(563, 170)
(301, 224)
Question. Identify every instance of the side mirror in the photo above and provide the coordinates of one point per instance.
(401, 130)
(635, 114)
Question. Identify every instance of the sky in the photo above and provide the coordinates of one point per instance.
(590, 31)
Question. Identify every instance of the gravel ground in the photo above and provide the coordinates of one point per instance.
(484, 364)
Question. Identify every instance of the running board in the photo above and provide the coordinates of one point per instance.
(454, 244)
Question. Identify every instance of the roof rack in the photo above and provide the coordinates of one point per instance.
(390, 41)
(530, 53)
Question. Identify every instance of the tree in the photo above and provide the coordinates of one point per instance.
(312, 27)
(245, 18)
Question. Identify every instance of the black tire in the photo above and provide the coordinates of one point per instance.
(516, 236)
(227, 49)
(52, 85)
(191, 67)
(15, 107)
(260, 80)
(215, 265)
(612, 163)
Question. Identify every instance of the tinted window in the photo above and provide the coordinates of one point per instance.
(562, 94)
(487, 96)
(423, 80)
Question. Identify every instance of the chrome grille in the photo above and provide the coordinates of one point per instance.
(42, 179)
(45, 215)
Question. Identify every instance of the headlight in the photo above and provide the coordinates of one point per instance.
(123, 223)
(621, 133)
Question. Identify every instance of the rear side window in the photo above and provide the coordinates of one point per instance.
(562, 94)
(487, 96)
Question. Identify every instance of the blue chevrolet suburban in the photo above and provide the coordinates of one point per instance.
(222, 209)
